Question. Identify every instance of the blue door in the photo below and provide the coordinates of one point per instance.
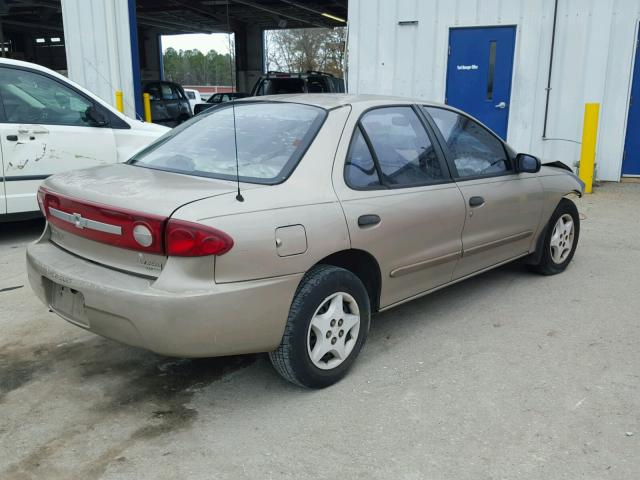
(479, 73)
(631, 159)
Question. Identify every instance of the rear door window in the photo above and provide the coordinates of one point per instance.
(271, 139)
(316, 84)
(280, 86)
(404, 152)
(360, 168)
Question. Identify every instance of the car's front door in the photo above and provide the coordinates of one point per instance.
(399, 201)
(45, 130)
(504, 208)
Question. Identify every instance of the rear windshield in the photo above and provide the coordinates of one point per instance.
(271, 139)
(279, 86)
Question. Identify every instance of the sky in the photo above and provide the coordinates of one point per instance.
(201, 41)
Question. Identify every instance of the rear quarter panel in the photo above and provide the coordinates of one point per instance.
(255, 253)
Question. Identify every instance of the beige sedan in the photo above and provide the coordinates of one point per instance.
(280, 225)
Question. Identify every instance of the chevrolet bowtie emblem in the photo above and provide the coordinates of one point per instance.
(79, 221)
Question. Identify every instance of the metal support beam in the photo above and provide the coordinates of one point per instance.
(279, 13)
(39, 26)
(152, 21)
(314, 10)
(220, 20)
(249, 54)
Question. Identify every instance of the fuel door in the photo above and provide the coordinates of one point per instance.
(291, 240)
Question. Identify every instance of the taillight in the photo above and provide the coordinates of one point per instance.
(41, 194)
(105, 224)
(186, 239)
(132, 230)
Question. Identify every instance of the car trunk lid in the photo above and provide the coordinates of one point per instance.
(116, 215)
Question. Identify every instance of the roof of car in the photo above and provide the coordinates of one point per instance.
(21, 63)
(335, 100)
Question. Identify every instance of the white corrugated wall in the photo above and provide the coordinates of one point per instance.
(595, 45)
(98, 48)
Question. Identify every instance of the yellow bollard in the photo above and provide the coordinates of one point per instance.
(589, 141)
(147, 107)
(119, 102)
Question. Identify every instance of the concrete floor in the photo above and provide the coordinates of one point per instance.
(506, 376)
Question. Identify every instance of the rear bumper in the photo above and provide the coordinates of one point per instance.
(187, 318)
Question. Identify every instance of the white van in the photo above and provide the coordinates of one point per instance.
(49, 124)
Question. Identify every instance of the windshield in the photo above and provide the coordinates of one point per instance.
(271, 139)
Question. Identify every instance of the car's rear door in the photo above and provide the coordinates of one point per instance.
(503, 207)
(45, 130)
(400, 203)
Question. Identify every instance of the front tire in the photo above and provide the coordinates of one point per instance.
(327, 326)
(561, 239)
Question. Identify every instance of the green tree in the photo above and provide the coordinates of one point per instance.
(192, 67)
(302, 49)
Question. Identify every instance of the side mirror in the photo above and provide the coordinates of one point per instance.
(96, 117)
(527, 163)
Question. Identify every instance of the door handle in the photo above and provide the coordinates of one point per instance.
(368, 220)
(12, 138)
(476, 201)
(501, 105)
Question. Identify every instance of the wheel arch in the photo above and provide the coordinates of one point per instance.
(364, 266)
(536, 255)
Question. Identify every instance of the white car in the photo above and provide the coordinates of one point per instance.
(194, 97)
(49, 124)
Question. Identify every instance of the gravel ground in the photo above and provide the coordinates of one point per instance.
(506, 376)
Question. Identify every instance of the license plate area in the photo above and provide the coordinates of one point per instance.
(69, 304)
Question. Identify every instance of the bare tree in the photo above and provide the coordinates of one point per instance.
(299, 50)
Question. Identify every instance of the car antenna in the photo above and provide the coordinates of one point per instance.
(239, 196)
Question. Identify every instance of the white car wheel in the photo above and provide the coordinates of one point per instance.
(333, 331)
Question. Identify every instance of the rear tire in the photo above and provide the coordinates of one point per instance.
(561, 239)
(327, 326)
